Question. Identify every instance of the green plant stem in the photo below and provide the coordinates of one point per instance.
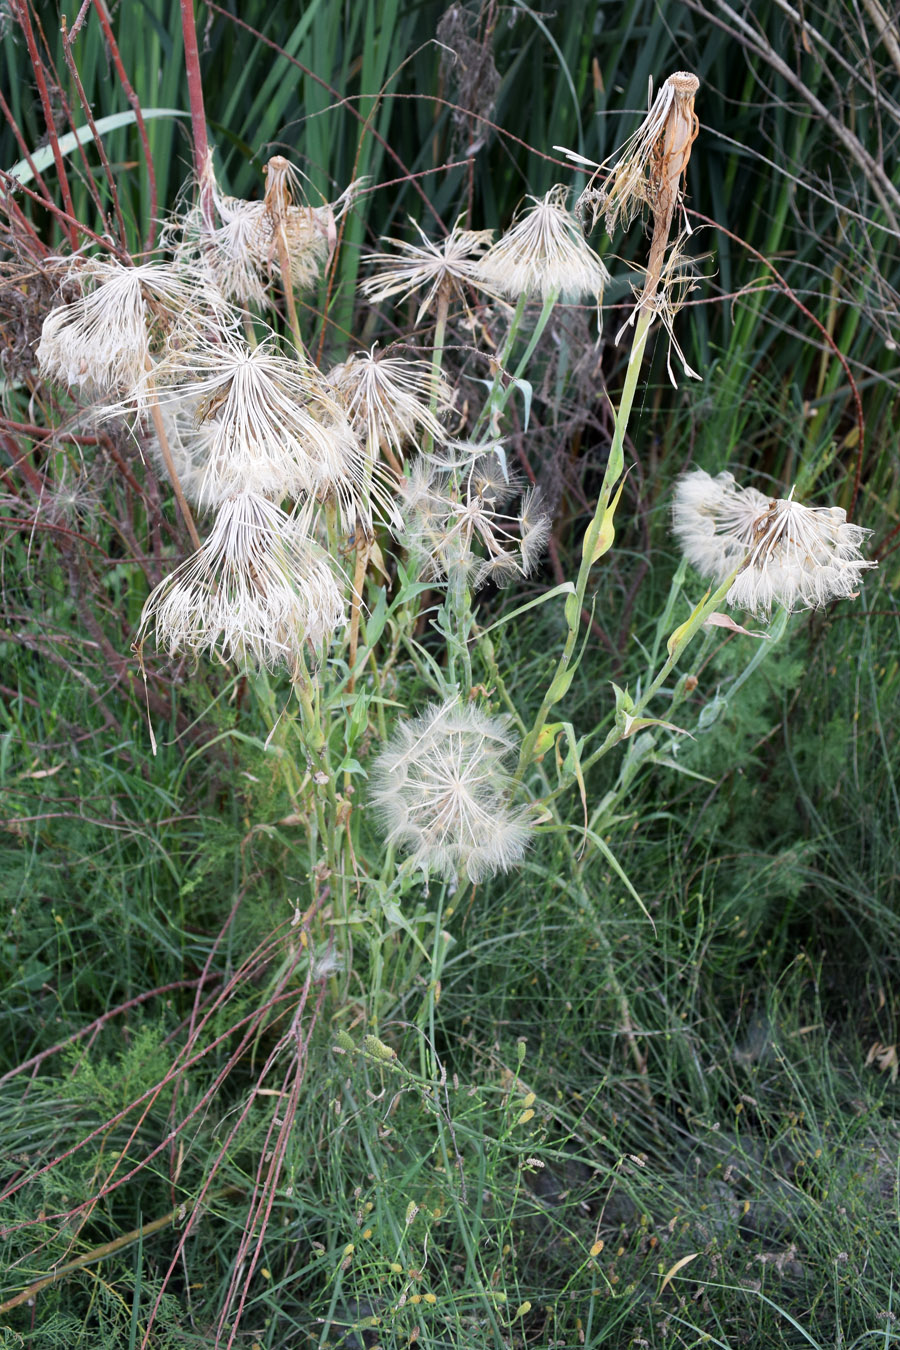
(437, 359)
(688, 631)
(107, 1249)
(429, 1065)
(575, 603)
(499, 395)
(575, 868)
(458, 611)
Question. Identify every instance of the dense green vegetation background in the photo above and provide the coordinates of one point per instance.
(714, 1092)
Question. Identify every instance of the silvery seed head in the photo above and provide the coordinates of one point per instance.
(799, 557)
(442, 788)
(101, 342)
(456, 524)
(258, 591)
(262, 422)
(448, 267)
(544, 253)
(389, 399)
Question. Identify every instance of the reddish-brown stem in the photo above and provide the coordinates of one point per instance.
(19, 229)
(23, 148)
(29, 429)
(23, 18)
(116, 57)
(88, 177)
(95, 1026)
(198, 112)
(13, 523)
(24, 465)
(65, 217)
(98, 140)
(79, 19)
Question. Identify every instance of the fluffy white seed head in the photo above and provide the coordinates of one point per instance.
(257, 591)
(455, 521)
(262, 422)
(388, 400)
(544, 253)
(448, 266)
(799, 557)
(443, 788)
(101, 342)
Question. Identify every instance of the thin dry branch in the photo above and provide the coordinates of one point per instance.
(888, 31)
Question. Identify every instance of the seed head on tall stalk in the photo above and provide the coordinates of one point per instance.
(649, 171)
(648, 174)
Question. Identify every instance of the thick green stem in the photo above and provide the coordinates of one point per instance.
(459, 621)
(438, 953)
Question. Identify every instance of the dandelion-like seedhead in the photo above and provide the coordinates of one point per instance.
(800, 557)
(448, 266)
(256, 592)
(253, 420)
(74, 500)
(389, 399)
(246, 249)
(100, 343)
(544, 253)
(455, 525)
(443, 789)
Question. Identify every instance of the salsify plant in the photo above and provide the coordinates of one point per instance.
(344, 516)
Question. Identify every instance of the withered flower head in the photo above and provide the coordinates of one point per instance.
(246, 244)
(649, 168)
(263, 422)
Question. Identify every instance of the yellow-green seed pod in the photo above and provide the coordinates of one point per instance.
(373, 1046)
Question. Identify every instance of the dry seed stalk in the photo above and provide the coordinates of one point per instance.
(668, 164)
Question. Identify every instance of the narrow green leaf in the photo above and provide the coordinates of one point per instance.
(43, 158)
(565, 588)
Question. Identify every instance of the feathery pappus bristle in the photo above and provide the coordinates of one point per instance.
(258, 591)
